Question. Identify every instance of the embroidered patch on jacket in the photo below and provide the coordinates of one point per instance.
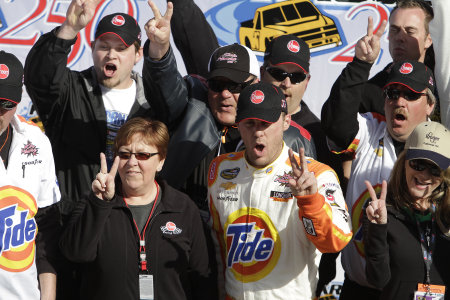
(171, 228)
(309, 226)
(283, 180)
(280, 196)
(230, 173)
(29, 149)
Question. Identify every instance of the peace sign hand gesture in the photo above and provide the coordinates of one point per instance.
(303, 183)
(368, 47)
(78, 15)
(103, 185)
(158, 31)
(376, 210)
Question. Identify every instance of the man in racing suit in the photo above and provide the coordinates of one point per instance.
(29, 220)
(272, 211)
(375, 141)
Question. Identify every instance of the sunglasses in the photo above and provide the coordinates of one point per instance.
(139, 155)
(394, 94)
(422, 164)
(8, 105)
(218, 86)
(280, 75)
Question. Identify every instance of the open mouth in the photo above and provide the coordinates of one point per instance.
(259, 148)
(110, 70)
(400, 117)
(419, 184)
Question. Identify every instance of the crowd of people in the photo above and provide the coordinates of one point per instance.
(223, 184)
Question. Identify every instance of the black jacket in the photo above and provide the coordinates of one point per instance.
(394, 260)
(352, 93)
(102, 235)
(71, 108)
(181, 103)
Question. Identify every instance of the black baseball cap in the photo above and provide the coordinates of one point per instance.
(11, 78)
(413, 74)
(124, 26)
(262, 101)
(288, 49)
(235, 62)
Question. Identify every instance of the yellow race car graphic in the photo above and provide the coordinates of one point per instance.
(297, 17)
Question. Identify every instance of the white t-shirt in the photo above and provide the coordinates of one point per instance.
(118, 103)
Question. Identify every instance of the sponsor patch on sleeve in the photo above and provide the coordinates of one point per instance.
(309, 226)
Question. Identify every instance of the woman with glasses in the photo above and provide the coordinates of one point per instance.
(138, 237)
(407, 231)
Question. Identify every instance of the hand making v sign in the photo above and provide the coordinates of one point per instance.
(103, 185)
(304, 183)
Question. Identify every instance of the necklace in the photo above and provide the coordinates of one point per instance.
(7, 136)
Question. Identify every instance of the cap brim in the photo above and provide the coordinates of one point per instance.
(263, 115)
(10, 93)
(412, 85)
(232, 74)
(440, 160)
(128, 41)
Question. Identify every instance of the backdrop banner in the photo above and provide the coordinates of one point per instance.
(330, 27)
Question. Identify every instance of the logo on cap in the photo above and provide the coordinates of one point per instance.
(230, 58)
(257, 97)
(430, 81)
(293, 46)
(118, 20)
(406, 68)
(4, 71)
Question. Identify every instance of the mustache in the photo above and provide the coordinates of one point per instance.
(401, 111)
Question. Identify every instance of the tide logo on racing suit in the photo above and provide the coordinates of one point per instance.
(18, 229)
(252, 243)
(358, 208)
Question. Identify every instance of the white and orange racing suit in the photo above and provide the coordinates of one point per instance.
(269, 242)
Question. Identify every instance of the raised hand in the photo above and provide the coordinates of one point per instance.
(368, 47)
(376, 210)
(79, 14)
(158, 31)
(303, 182)
(103, 185)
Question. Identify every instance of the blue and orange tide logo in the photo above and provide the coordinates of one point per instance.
(253, 244)
(357, 214)
(18, 229)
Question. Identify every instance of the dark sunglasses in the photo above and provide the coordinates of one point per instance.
(422, 164)
(8, 105)
(280, 75)
(394, 94)
(139, 155)
(217, 85)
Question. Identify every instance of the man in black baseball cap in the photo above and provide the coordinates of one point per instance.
(409, 97)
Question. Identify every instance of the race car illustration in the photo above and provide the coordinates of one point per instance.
(298, 17)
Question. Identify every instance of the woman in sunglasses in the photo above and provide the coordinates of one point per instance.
(138, 237)
(406, 234)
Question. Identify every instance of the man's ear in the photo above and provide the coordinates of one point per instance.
(139, 55)
(286, 122)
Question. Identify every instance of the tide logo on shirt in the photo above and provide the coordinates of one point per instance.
(253, 244)
(18, 229)
(358, 209)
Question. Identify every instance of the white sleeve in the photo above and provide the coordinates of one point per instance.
(440, 33)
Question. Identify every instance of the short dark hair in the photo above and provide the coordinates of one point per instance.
(427, 9)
